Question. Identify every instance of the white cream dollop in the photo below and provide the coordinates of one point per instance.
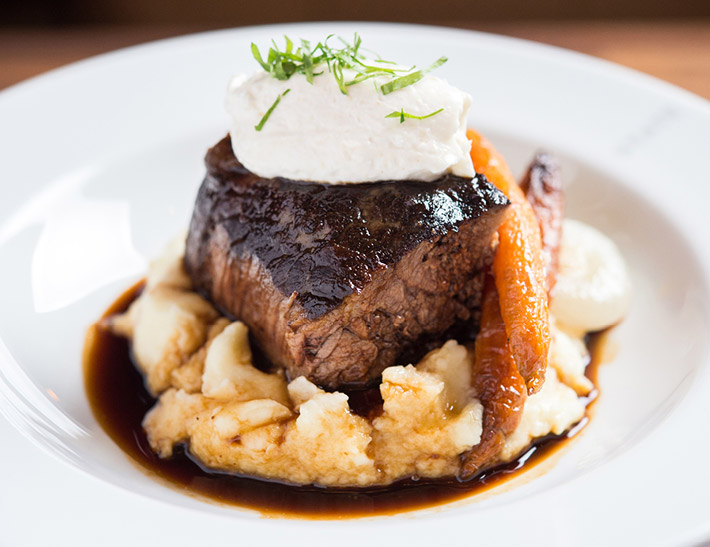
(317, 133)
(593, 289)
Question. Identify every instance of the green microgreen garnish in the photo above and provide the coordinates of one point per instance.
(260, 125)
(402, 115)
(304, 59)
(409, 79)
(284, 63)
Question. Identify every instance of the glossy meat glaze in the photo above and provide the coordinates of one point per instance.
(339, 282)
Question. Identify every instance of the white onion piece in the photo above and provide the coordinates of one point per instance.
(593, 289)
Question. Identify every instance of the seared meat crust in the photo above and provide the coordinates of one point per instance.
(339, 282)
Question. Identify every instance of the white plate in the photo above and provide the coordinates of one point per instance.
(101, 162)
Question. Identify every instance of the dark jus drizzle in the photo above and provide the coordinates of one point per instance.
(119, 400)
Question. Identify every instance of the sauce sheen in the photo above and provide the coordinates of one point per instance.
(119, 401)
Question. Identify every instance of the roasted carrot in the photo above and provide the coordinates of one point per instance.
(542, 186)
(518, 269)
(497, 384)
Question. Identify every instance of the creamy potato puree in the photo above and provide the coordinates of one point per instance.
(238, 418)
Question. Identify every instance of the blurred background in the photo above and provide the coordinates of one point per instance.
(226, 13)
(668, 39)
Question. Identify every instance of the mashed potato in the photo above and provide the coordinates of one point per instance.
(246, 421)
(237, 418)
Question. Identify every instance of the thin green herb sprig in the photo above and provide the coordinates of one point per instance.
(305, 59)
(409, 79)
(402, 115)
(260, 125)
(284, 63)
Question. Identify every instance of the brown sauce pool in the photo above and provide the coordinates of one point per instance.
(119, 401)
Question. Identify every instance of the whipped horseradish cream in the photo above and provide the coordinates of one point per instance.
(319, 134)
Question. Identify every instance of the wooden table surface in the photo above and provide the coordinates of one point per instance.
(678, 52)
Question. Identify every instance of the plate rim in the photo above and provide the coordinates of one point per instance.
(676, 93)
